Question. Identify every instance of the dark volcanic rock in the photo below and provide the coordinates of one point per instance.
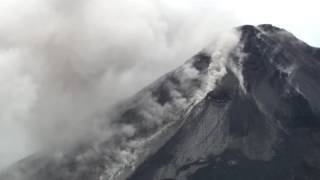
(264, 131)
(202, 61)
(260, 120)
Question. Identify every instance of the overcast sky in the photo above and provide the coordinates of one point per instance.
(301, 17)
(92, 45)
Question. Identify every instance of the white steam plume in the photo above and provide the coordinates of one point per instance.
(63, 63)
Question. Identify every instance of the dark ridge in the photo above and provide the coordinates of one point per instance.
(274, 127)
(268, 130)
(316, 53)
(269, 28)
(247, 32)
(166, 155)
(201, 61)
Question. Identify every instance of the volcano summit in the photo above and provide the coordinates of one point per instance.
(245, 108)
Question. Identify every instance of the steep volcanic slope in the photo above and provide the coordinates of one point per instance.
(138, 127)
(244, 108)
(261, 122)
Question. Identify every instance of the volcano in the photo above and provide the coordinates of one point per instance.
(245, 108)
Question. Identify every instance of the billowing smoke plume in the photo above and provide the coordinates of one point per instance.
(64, 63)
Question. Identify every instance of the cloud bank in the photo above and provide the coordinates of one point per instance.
(64, 63)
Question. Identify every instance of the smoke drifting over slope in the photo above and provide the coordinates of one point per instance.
(63, 64)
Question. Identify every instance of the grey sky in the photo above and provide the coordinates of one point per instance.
(301, 17)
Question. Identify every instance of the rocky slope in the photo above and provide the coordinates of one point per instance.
(247, 107)
(262, 123)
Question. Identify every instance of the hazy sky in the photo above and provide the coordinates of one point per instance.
(301, 17)
(69, 59)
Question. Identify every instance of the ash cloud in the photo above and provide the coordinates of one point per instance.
(64, 63)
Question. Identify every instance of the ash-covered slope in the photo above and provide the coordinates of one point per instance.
(247, 107)
(260, 122)
(138, 127)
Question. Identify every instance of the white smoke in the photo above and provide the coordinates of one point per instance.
(64, 63)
